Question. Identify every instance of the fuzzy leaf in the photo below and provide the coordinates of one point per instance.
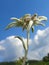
(14, 24)
(14, 18)
(42, 24)
(23, 43)
(41, 18)
(32, 28)
(30, 25)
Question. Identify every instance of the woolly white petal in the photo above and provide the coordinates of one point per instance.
(42, 18)
(14, 18)
(29, 25)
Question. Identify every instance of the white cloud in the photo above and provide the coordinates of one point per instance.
(2, 48)
(11, 48)
(41, 43)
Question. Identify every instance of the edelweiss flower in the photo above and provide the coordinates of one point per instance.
(27, 21)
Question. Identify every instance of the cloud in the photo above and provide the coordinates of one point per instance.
(2, 48)
(40, 44)
(11, 48)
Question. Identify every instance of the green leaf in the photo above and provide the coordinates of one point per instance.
(23, 43)
(14, 24)
(32, 28)
(15, 19)
(42, 24)
(29, 25)
(42, 18)
(26, 15)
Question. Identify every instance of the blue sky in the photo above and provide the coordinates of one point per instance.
(40, 37)
(17, 8)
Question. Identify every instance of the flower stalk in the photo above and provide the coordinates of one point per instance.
(26, 51)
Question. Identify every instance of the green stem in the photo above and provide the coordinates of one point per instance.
(26, 51)
(27, 39)
(25, 58)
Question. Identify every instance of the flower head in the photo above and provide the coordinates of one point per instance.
(27, 21)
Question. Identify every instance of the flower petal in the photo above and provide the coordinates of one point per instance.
(41, 18)
(32, 28)
(14, 18)
(30, 25)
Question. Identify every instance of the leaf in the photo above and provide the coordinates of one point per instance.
(32, 28)
(16, 19)
(23, 43)
(42, 24)
(29, 25)
(27, 15)
(41, 18)
(14, 24)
